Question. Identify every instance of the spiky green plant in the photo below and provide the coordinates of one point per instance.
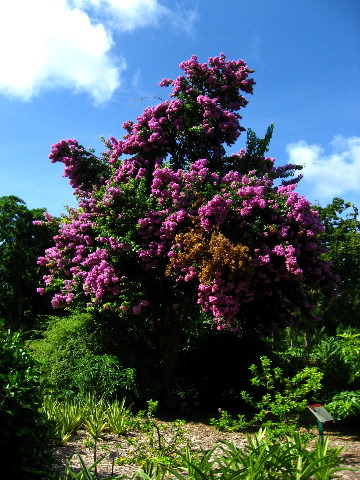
(118, 416)
(67, 416)
(95, 421)
(290, 459)
(85, 472)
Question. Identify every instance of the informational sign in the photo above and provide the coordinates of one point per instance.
(320, 412)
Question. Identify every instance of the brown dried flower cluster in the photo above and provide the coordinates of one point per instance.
(210, 255)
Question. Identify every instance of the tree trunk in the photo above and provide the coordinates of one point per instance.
(168, 329)
(307, 338)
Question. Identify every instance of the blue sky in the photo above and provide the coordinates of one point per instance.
(80, 68)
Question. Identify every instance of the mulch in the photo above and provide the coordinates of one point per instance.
(200, 435)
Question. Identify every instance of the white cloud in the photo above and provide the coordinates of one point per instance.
(128, 15)
(46, 44)
(327, 175)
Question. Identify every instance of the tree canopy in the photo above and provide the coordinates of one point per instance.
(21, 242)
(168, 224)
(341, 238)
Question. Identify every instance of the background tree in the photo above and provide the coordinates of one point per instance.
(168, 224)
(21, 242)
(342, 240)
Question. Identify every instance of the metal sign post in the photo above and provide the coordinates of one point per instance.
(322, 416)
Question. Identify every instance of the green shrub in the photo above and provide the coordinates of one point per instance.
(66, 340)
(72, 364)
(284, 397)
(339, 359)
(336, 357)
(280, 402)
(345, 404)
(227, 423)
(350, 353)
(103, 375)
(24, 433)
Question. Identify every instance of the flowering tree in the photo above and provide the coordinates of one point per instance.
(167, 224)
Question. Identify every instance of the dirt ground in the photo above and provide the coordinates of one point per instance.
(201, 436)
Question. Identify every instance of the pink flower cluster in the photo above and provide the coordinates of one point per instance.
(221, 300)
(82, 168)
(75, 257)
(214, 212)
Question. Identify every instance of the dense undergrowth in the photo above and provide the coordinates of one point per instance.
(37, 413)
